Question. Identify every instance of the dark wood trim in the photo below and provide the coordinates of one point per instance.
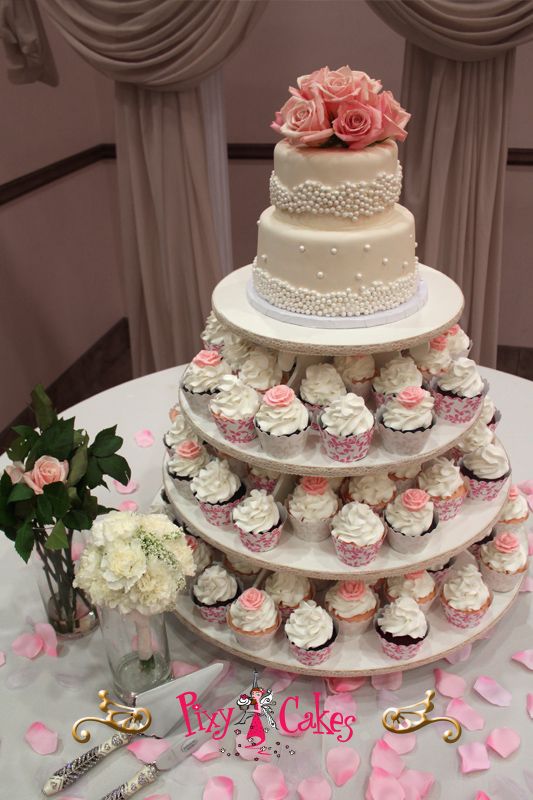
(520, 157)
(250, 151)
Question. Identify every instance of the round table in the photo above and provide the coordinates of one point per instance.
(59, 691)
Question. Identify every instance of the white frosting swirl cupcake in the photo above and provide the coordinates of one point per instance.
(488, 463)
(177, 434)
(321, 385)
(309, 627)
(257, 513)
(462, 378)
(288, 589)
(347, 416)
(418, 585)
(478, 436)
(188, 459)
(404, 472)
(516, 509)
(441, 478)
(261, 370)
(215, 586)
(488, 411)
(464, 589)
(235, 351)
(402, 619)
(214, 331)
(358, 524)
(376, 490)
(432, 357)
(204, 373)
(215, 483)
(234, 399)
(355, 369)
(202, 554)
(396, 375)
(241, 566)
(458, 341)
(411, 513)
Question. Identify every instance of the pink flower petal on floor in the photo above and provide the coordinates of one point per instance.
(401, 743)
(524, 657)
(448, 684)
(144, 438)
(339, 685)
(128, 505)
(48, 636)
(208, 751)
(384, 757)
(147, 749)
(474, 757)
(76, 550)
(277, 679)
(529, 705)
(491, 691)
(41, 739)
(314, 788)
(465, 714)
(463, 654)
(154, 797)
(181, 668)
(2, 658)
(526, 487)
(342, 703)
(27, 645)
(292, 720)
(219, 788)
(416, 784)
(530, 544)
(481, 796)
(391, 681)
(342, 763)
(527, 584)
(503, 741)
(270, 782)
(382, 786)
(130, 487)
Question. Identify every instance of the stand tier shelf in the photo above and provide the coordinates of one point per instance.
(319, 560)
(442, 309)
(357, 656)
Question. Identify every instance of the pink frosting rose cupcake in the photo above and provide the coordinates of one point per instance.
(459, 343)
(311, 508)
(515, 513)
(254, 619)
(405, 421)
(395, 375)
(411, 519)
(282, 423)
(433, 357)
(188, 459)
(201, 379)
(352, 604)
(503, 562)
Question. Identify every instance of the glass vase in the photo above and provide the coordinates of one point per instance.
(137, 651)
(68, 609)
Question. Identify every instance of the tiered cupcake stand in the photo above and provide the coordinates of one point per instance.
(362, 654)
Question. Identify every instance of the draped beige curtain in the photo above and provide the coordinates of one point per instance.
(163, 54)
(457, 83)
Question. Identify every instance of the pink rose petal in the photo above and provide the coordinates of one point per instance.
(218, 788)
(530, 544)
(314, 788)
(248, 753)
(27, 645)
(527, 584)
(503, 741)
(292, 720)
(391, 681)
(208, 751)
(524, 657)
(2, 658)
(448, 684)
(526, 487)
(277, 679)
(416, 784)
(401, 743)
(76, 550)
(148, 749)
(459, 655)
(129, 488)
(342, 703)
(340, 685)
(529, 705)
(474, 757)
(491, 691)
(384, 757)
(465, 714)
(48, 636)
(128, 505)
(41, 739)
(481, 796)
(270, 782)
(181, 668)
(382, 786)
(144, 438)
(342, 763)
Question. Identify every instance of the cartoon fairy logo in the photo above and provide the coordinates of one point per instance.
(257, 715)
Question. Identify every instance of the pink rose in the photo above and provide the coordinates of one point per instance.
(414, 576)
(304, 121)
(189, 449)
(338, 85)
(174, 413)
(308, 85)
(411, 396)
(207, 358)
(513, 491)
(352, 590)
(47, 469)
(415, 499)
(439, 343)
(506, 543)
(358, 124)
(279, 396)
(314, 485)
(252, 599)
(365, 85)
(394, 117)
(15, 472)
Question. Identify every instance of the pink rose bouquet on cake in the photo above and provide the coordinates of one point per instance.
(342, 106)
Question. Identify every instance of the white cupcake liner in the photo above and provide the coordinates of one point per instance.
(362, 388)
(464, 619)
(495, 421)
(479, 489)
(253, 640)
(500, 581)
(355, 555)
(402, 543)
(183, 487)
(456, 409)
(239, 431)
(346, 448)
(403, 442)
(198, 401)
(283, 446)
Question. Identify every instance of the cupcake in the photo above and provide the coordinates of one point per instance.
(465, 597)
(405, 421)
(178, 433)
(411, 518)
(202, 554)
(201, 379)
(375, 490)
(489, 414)
(357, 372)
(214, 332)
(288, 590)
(259, 521)
(262, 479)
(244, 570)
(404, 476)
(402, 628)
(213, 592)
(282, 423)
(503, 562)
(474, 548)
(419, 585)
(514, 514)
(218, 490)
(233, 408)
(311, 507)
(486, 470)
(352, 604)
(445, 485)
(254, 619)
(311, 633)
(433, 357)
(397, 374)
(478, 436)
(459, 391)
(357, 534)
(261, 370)
(188, 459)
(439, 570)
(235, 351)
(459, 343)
(321, 385)
(346, 427)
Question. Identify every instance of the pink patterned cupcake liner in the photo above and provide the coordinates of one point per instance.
(448, 507)
(485, 490)
(464, 619)
(454, 408)
(500, 581)
(379, 398)
(210, 346)
(400, 652)
(495, 421)
(257, 482)
(314, 413)
(310, 658)
(261, 542)
(239, 431)
(219, 514)
(346, 448)
(213, 613)
(356, 555)
(403, 442)
(455, 455)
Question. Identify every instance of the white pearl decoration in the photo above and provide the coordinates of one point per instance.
(385, 261)
(334, 251)
(367, 247)
(264, 257)
(302, 248)
(320, 275)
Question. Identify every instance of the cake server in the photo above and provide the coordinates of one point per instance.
(165, 718)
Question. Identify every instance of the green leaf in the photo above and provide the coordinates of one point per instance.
(20, 491)
(58, 538)
(80, 437)
(103, 510)
(117, 467)
(93, 474)
(106, 443)
(24, 540)
(7, 516)
(43, 409)
(22, 445)
(78, 465)
(57, 494)
(77, 520)
(56, 441)
(44, 511)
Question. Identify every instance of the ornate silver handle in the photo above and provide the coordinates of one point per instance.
(75, 769)
(144, 777)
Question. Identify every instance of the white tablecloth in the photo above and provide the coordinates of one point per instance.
(58, 691)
